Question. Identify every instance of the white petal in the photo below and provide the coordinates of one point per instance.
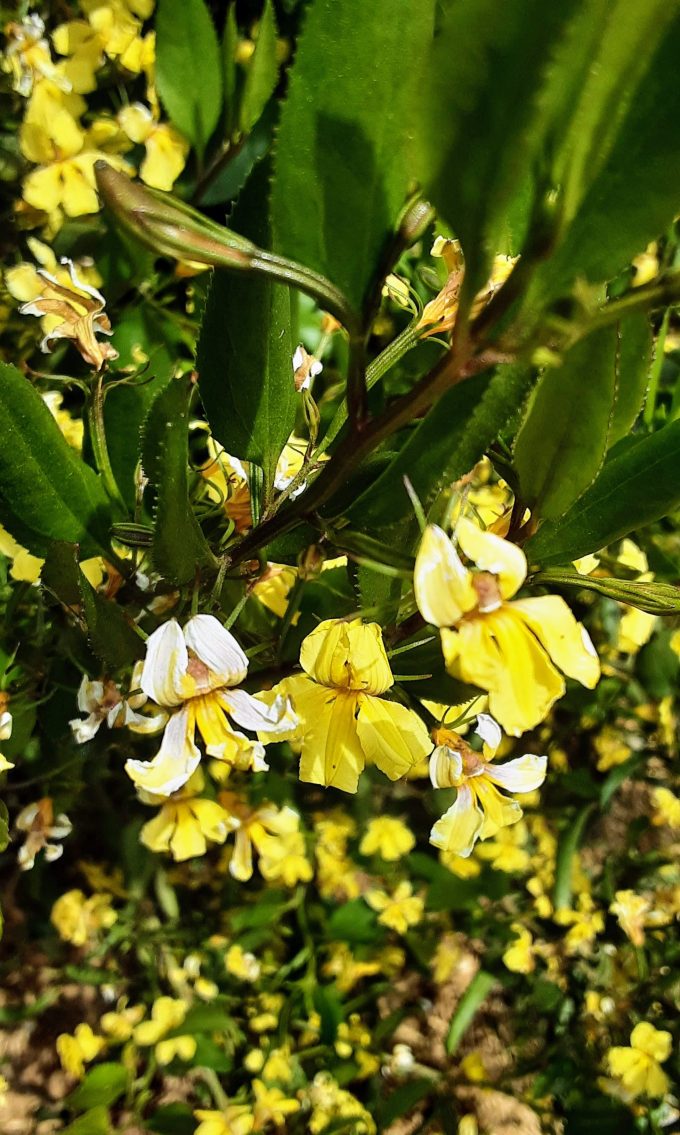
(80, 285)
(26, 817)
(144, 723)
(489, 731)
(84, 729)
(175, 761)
(61, 827)
(521, 775)
(53, 851)
(90, 695)
(217, 649)
(165, 664)
(255, 715)
(5, 725)
(446, 767)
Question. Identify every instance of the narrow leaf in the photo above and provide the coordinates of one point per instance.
(245, 352)
(343, 166)
(635, 487)
(229, 46)
(474, 996)
(179, 546)
(567, 849)
(563, 440)
(188, 68)
(44, 486)
(262, 72)
(633, 362)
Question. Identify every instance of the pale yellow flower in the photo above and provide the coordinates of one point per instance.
(167, 1014)
(41, 827)
(242, 964)
(166, 149)
(80, 311)
(77, 1050)
(186, 821)
(439, 315)
(78, 919)
(666, 808)
(519, 957)
(276, 836)
(639, 1066)
(236, 1119)
(388, 837)
(399, 910)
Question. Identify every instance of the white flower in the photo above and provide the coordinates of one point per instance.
(5, 734)
(104, 701)
(41, 826)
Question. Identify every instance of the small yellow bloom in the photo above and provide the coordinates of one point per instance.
(519, 956)
(639, 1066)
(480, 809)
(666, 808)
(80, 311)
(271, 1106)
(274, 833)
(166, 149)
(635, 627)
(41, 827)
(388, 837)
(186, 821)
(27, 55)
(236, 1119)
(78, 1050)
(78, 919)
(439, 315)
(512, 649)
(120, 1024)
(167, 1014)
(242, 964)
(399, 910)
(344, 720)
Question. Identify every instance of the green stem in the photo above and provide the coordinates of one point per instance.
(95, 419)
(327, 296)
(651, 297)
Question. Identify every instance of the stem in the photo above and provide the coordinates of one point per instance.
(328, 297)
(648, 298)
(95, 419)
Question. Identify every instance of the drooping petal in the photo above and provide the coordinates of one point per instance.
(165, 665)
(442, 585)
(347, 656)
(392, 737)
(524, 774)
(446, 767)
(157, 833)
(275, 719)
(241, 862)
(493, 554)
(566, 640)
(490, 733)
(176, 760)
(85, 728)
(217, 648)
(458, 829)
(331, 751)
(498, 811)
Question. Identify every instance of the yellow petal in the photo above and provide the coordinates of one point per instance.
(499, 811)
(156, 834)
(392, 737)
(656, 1043)
(566, 641)
(166, 154)
(79, 196)
(331, 751)
(347, 656)
(442, 585)
(42, 188)
(457, 831)
(493, 554)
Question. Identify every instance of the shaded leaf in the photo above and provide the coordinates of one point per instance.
(93, 1122)
(45, 487)
(188, 68)
(263, 70)
(634, 358)
(469, 1004)
(101, 1087)
(343, 165)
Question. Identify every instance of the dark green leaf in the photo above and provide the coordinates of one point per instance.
(474, 996)
(188, 68)
(444, 446)
(343, 166)
(229, 46)
(101, 1087)
(327, 1004)
(563, 440)
(179, 546)
(634, 359)
(263, 71)
(44, 485)
(354, 921)
(484, 78)
(172, 1119)
(403, 1099)
(245, 352)
(111, 635)
(633, 489)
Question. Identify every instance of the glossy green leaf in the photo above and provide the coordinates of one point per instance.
(263, 70)
(44, 486)
(563, 439)
(179, 546)
(446, 444)
(245, 352)
(481, 112)
(634, 358)
(188, 68)
(101, 1087)
(635, 487)
(343, 165)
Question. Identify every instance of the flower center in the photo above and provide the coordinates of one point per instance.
(488, 591)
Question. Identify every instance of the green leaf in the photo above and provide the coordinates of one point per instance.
(446, 444)
(94, 1122)
(46, 491)
(634, 359)
(172, 1119)
(567, 849)
(343, 166)
(179, 546)
(634, 195)
(101, 1087)
(354, 921)
(229, 46)
(403, 1099)
(245, 352)
(263, 71)
(188, 68)
(481, 105)
(563, 440)
(635, 487)
(475, 994)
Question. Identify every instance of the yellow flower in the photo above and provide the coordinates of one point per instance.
(612, 747)
(439, 315)
(78, 1050)
(344, 720)
(399, 910)
(346, 969)
(6, 724)
(635, 626)
(273, 587)
(387, 836)
(635, 913)
(519, 957)
(511, 649)
(242, 964)
(27, 55)
(80, 311)
(195, 671)
(236, 1119)
(41, 826)
(639, 1066)
(120, 1024)
(506, 851)
(330, 1102)
(275, 833)
(271, 1106)
(479, 810)
(167, 1014)
(78, 919)
(186, 821)
(666, 808)
(166, 149)
(584, 925)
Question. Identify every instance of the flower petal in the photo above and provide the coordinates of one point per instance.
(446, 767)
(458, 829)
(176, 760)
(276, 718)
(442, 585)
(347, 656)
(217, 648)
(165, 664)
(524, 774)
(493, 554)
(490, 733)
(392, 737)
(566, 640)
(331, 751)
